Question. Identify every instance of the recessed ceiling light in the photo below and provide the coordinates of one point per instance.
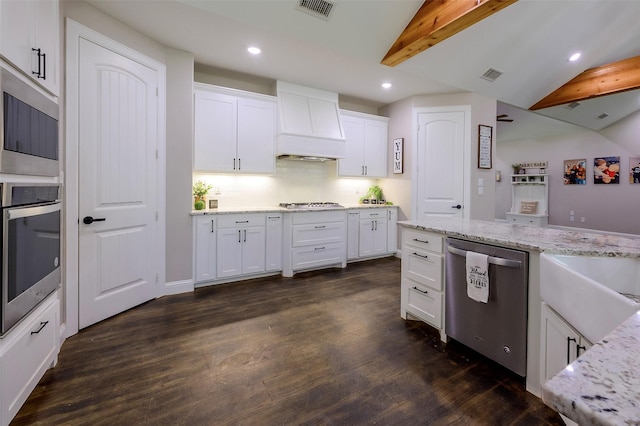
(254, 50)
(574, 57)
(386, 85)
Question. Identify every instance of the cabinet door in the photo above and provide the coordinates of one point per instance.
(375, 148)
(16, 32)
(365, 245)
(229, 252)
(274, 242)
(392, 230)
(256, 136)
(352, 164)
(559, 343)
(47, 40)
(253, 250)
(215, 132)
(379, 236)
(205, 248)
(353, 232)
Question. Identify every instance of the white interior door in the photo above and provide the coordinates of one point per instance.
(440, 177)
(118, 136)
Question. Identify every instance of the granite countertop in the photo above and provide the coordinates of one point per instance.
(581, 243)
(240, 210)
(602, 386)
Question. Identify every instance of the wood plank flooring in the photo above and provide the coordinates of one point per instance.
(323, 348)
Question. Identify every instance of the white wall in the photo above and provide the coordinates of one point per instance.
(604, 207)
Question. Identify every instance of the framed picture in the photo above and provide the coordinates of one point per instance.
(485, 134)
(575, 172)
(398, 156)
(606, 170)
(634, 169)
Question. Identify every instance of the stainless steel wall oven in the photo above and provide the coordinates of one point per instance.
(28, 128)
(30, 236)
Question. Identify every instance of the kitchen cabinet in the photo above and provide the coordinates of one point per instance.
(29, 39)
(26, 353)
(205, 252)
(560, 345)
(314, 240)
(372, 240)
(274, 242)
(240, 245)
(421, 277)
(234, 131)
(353, 234)
(529, 188)
(366, 145)
(392, 230)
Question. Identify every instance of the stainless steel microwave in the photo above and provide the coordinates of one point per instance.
(28, 128)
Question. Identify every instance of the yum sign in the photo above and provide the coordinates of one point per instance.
(397, 155)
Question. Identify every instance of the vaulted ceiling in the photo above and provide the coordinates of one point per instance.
(528, 42)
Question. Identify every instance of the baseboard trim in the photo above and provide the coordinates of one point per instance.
(177, 287)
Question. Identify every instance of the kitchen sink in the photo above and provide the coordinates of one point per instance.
(594, 294)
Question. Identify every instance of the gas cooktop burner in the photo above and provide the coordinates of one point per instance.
(310, 206)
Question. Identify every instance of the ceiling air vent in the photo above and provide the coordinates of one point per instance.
(491, 75)
(318, 8)
(572, 105)
(603, 116)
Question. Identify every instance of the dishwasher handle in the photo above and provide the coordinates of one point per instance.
(499, 261)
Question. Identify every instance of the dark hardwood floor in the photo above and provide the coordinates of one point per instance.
(322, 348)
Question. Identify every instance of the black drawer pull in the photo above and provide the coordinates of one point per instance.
(320, 248)
(420, 255)
(242, 221)
(320, 226)
(43, 324)
(421, 291)
(421, 241)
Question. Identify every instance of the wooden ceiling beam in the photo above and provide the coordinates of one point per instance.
(612, 78)
(437, 20)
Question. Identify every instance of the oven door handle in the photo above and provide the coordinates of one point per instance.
(26, 211)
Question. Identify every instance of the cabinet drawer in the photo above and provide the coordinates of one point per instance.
(242, 220)
(373, 213)
(319, 217)
(526, 220)
(24, 363)
(424, 268)
(424, 303)
(319, 233)
(319, 255)
(422, 240)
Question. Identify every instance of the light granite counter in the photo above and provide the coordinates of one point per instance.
(579, 243)
(602, 386)
(243, 210)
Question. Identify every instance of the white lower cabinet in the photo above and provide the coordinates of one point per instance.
(240, 245)
(26, 353)
(560, 345)
(205, 253)
(422, 277)
(353, 234)
(373, 233)
(274, 242)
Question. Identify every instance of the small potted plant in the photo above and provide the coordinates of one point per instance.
(516, 168)
(200, 189)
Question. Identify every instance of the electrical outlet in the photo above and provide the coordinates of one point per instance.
(572, 218)
(571, 213)
(582, 219)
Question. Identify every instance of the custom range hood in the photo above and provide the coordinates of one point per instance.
(309, 125)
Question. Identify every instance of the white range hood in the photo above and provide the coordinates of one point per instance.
(309, 124)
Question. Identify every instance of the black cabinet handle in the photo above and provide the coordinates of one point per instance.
(421, 291)
(212, 226)
(88, 220)
(569, 340)
(421, 241)
(579, 348)
(43, 324)
(457, 206)
(420, 255)
(41, 71)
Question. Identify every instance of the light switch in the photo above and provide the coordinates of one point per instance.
(480, 181)
(480, 190)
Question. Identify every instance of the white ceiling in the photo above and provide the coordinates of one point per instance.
(528, 41)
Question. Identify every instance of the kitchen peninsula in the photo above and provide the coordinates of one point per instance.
(607, 358)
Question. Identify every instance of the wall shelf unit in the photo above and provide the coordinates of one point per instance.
(529, 199)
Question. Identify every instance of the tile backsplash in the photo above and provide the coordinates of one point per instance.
(294, 181)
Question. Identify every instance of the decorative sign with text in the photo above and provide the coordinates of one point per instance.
(397, 155)
(485, 134)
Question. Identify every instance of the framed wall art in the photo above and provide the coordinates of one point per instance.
(485, 134)
(634, 169)
(398, 147)
(575, 172)
(606, 170)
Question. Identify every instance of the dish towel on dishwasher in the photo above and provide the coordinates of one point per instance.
(478, 276)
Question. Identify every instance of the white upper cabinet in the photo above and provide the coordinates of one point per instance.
(234, 131)
(29, 39)
(366, 145)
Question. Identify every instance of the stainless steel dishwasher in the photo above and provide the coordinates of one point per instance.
(496, 329)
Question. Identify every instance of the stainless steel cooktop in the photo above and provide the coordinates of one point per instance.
(311, 206)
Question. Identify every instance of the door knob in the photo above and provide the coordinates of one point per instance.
(88, 220)
(457, 206)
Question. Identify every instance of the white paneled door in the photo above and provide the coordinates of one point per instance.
(117, 139)
(440, 177)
